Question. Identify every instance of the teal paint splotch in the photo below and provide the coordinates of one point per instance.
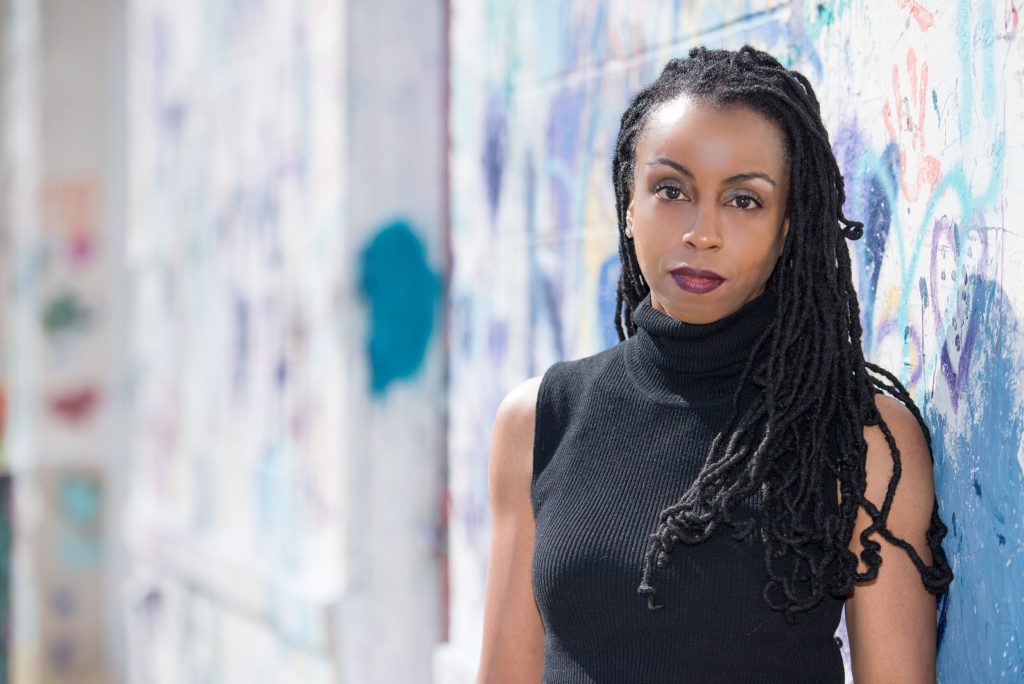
(78, 536)
(402, 292)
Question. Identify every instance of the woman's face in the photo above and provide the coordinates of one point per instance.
(708, 207)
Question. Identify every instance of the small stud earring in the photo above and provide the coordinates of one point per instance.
(629, 230)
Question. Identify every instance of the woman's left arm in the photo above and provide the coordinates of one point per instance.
(891, 619)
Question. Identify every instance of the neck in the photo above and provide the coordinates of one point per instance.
(693, 363)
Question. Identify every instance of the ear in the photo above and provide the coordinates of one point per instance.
(785, 228)
(629, 212)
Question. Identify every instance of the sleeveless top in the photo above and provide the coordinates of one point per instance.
(619, 435)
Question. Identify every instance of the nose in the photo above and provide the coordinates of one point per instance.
(703, 232)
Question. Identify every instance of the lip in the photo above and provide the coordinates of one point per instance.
(696, 280)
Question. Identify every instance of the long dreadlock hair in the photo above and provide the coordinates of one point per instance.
(816, 389)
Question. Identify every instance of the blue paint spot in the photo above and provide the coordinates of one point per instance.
(977, 453)
(79, 500)
(943, 611)
(871, 197)
(240, 356)
(78, 536)
(63, 602)
(563, 147)
(402, 292)
(280, 373)
(497, 340)
(878, 218)
(543, 296)
(493, 159)
(462, 317)
(607, 286)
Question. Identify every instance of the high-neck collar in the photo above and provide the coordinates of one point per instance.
(695, 364)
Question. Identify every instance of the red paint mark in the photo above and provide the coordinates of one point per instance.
(919, 12)
(70, 211)
(81, 249)
(75, 406)
(932, 171)
(905, 115)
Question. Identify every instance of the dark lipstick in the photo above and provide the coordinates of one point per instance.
(695, 280)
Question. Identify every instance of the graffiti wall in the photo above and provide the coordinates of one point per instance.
(285, 261)
(921, 100)
(58, 341)
(235, 524)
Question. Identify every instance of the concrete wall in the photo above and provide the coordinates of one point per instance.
(62, 349)
(224, 339)
(285, 263)
(921, 100)
(396, 99)
(236, 519)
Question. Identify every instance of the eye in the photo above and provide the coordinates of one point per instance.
(745, 202)
(669, 192)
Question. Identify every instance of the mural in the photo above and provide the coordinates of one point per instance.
(236, 485)
(57, 345)
(919, 99)
(70, 556)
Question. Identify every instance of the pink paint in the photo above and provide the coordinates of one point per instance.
(924, 167)
(75, 406)
(70, 211)
(80, 249)
(920, 13)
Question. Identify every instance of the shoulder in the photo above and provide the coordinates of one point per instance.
(890, 616)
(519, 404)
(907, 436)
(511, 458)
(898, 468)
(901, 423)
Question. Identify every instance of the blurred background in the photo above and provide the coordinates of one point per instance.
(269, 266)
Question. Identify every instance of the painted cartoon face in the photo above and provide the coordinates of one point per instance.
(708, 209)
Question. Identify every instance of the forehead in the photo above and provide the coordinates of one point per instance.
(724, 137)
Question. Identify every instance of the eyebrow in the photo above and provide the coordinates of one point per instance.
(739, 177)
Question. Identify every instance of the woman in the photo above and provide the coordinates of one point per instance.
(698, 502)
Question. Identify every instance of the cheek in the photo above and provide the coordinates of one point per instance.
(760, 249)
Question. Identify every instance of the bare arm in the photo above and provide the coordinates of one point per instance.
(891, 619)
(513, 643)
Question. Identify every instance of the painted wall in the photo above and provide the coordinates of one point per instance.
(61, 351)
(224, 339)
(285, 261)
(394, 614)
(235, 513)
(20, 164)
(921, 100)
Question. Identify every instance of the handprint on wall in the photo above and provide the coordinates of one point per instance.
(904, 120)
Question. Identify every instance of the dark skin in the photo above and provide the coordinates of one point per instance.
(710, 189)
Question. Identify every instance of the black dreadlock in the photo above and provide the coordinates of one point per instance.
(780, 444)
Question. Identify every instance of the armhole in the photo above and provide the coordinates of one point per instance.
(541, 455)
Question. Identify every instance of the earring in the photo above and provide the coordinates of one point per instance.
(629, 229)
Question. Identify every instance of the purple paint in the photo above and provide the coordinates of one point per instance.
(956, 322)
(493, 157)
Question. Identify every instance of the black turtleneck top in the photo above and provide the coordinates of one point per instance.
(619, 436)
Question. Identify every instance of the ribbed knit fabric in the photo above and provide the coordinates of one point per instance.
(619, 436)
